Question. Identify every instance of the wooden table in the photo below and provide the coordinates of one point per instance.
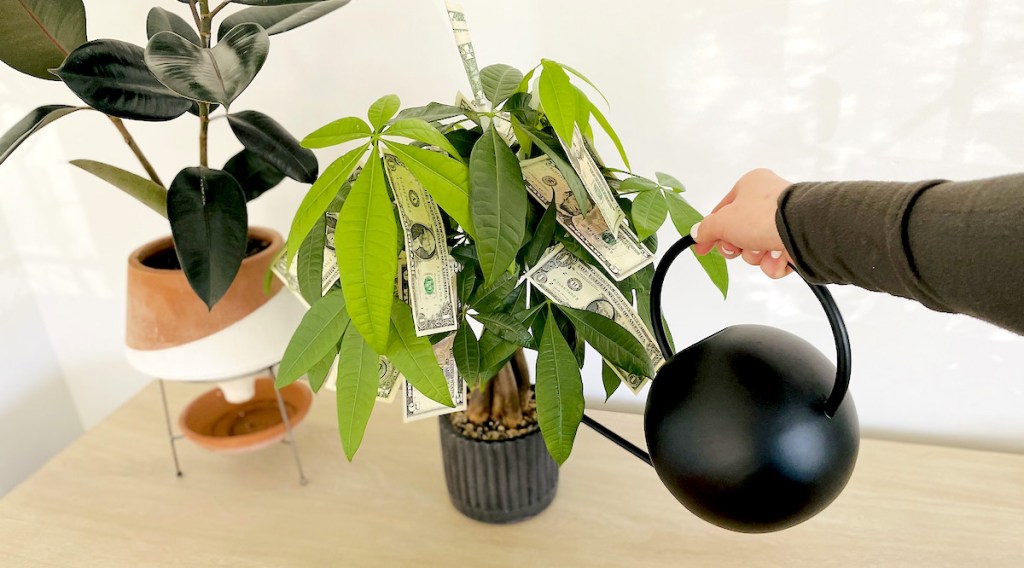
(111, 499)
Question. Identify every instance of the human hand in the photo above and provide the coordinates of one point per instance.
(743, 224)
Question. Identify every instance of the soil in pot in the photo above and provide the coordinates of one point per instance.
(167, 258)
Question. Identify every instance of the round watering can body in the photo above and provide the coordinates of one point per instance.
(737, 430)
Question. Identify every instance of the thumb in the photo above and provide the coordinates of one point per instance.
(709, 231)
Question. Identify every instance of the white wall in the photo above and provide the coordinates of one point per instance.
(906, 90)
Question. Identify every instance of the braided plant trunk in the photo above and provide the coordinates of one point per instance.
(505, 480)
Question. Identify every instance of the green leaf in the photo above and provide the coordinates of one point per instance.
(564, 167)
(145, 190)
(466, 350)
(588, 81)
(524, 85)
(494, 298)
(414, 357)
(559, 391)
(317, 374)
(338, 132)
(253, 173)
(498, 204)
(382, 110)
(506, 327)
(583, 120)
(267, 138)
(431, 112)
(31, 124)
(160, 20)
(320, 196)
(318, 335)
(264, 2)
(637, 184)
(494, 353)
(558, 97)
(112, 77)
(356, 389)
(499, 82)
(466, 282)
(649, 212)
(281, 18)
(36, 35)
(669, 181)
(684, 216)
(209, 223)
(610, 132)
(366, 242)
(211, 75)
(541, 239)
(446, 179)
(421, 131)
(310, 265)
(611, 340)
(611, 381)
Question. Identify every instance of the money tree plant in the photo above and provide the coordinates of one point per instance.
(505, 216)
(180, 70)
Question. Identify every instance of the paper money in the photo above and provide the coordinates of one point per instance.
(593, 179)
(568, 281)
(387, 377)
(431, 279)
(457, 18)
(620, 253)
(418, 406)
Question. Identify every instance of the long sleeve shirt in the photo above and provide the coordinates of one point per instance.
(953, 246)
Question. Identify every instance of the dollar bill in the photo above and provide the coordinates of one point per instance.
(388, 380)
(593, 179)
(568, 281)
(418, 406)
(431, 280)
(457, 18)
(620, 252)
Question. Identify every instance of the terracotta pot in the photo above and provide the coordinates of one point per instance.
(221, 426)
(171, 334)
(502, 481)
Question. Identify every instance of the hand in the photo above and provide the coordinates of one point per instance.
(743, 224)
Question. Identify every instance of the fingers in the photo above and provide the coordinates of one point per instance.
(728, 250)
(753, 257)
(776, 264)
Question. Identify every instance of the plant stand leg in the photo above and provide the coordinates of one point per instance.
(290, 436)
(170, 431)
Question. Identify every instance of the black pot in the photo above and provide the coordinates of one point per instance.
(501, 481)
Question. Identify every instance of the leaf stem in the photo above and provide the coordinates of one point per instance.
(130, 141)
(195, 14)
(204, 108)
(220, 7)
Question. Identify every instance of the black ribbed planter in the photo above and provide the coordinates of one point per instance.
(500, 481)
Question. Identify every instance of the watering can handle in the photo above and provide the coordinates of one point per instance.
(835, 319)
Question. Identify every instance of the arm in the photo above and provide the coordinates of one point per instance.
(953, 246)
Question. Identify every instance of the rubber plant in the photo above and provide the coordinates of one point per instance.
(478, 163)
(180, 70)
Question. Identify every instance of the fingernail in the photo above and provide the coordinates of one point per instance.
(755, 252)
(726, 249)
(776, 254)
(694, 230)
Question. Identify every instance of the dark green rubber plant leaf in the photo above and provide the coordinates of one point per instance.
(36, 35)
(160, 20)
(148, 192)
(111, 76)
(269, 140)
(559, 391)
(265, 2)
(209, 223)
(278, 19)
(317, 336)
(210, 75)
(31, 124)
(356, 389)
(497, 204)
(253, 173)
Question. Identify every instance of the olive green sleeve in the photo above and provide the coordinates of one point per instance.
(953, 246)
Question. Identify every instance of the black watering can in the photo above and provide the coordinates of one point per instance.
(751, 428)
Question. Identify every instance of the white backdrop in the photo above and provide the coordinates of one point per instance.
(899, 90)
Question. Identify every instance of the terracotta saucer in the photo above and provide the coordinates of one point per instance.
(221, 426)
